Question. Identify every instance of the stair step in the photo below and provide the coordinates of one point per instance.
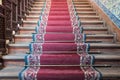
(86, 12)
(12, 73)
(32, 18)
(84, 9)
(59, 13)
(59, 9)
(81, 3)
(30, 23)
(36, 9)
(24, 47)
(86, 30)
(100, 59)
(38, 3)
(60, 23)
(37, 6)
(59, 17)
(34, 13)
(89, 17)
(86, 6)
(89, 38)
(105, 56)
(27, 30)
(95, 30)
(92, 22)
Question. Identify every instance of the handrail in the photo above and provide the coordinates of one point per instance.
(13, 14)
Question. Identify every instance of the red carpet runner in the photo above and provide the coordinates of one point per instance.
(54, 53)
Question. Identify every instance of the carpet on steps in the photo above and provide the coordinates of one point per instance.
(59, 37)
(70, 72)
(36, 47)
(59, 65)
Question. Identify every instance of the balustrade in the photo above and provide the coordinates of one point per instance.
(12, 13)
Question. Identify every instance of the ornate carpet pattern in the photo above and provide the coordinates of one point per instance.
(58, 50)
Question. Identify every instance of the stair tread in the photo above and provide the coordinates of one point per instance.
(39, 2)
(97, 56)
(91, 45)
(83, 8)
(81, 5)
(91, 21)
(97, 35)
(89, 16)
(29, 28)
(95, 27)
(81, 2)
(11, 72)
(86, 28)
(29, 21)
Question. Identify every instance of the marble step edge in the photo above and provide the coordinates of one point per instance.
(14, 71)
(104, 56)
(84, 28)
(96, 45)
(87, 35)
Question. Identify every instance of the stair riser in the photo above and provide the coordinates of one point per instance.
(103, 49)
(95, 31)
(82, 18)
(30, 24)
(38, 6)
(99, 40)
(24, 39)
(32, 18)
(101, 62)
(92, 24)
(82, 22)
(84, 9)
(36, 9)
(84, 13)
(37, 14)
(14, 63)
(88, 39)
(82, 6)
(27, 31)
(84, 31)
(108, 62)
(84, 3)
(89, 18)
(18, 50)
(24, 49)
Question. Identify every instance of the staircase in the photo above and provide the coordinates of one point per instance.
(103, 44)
